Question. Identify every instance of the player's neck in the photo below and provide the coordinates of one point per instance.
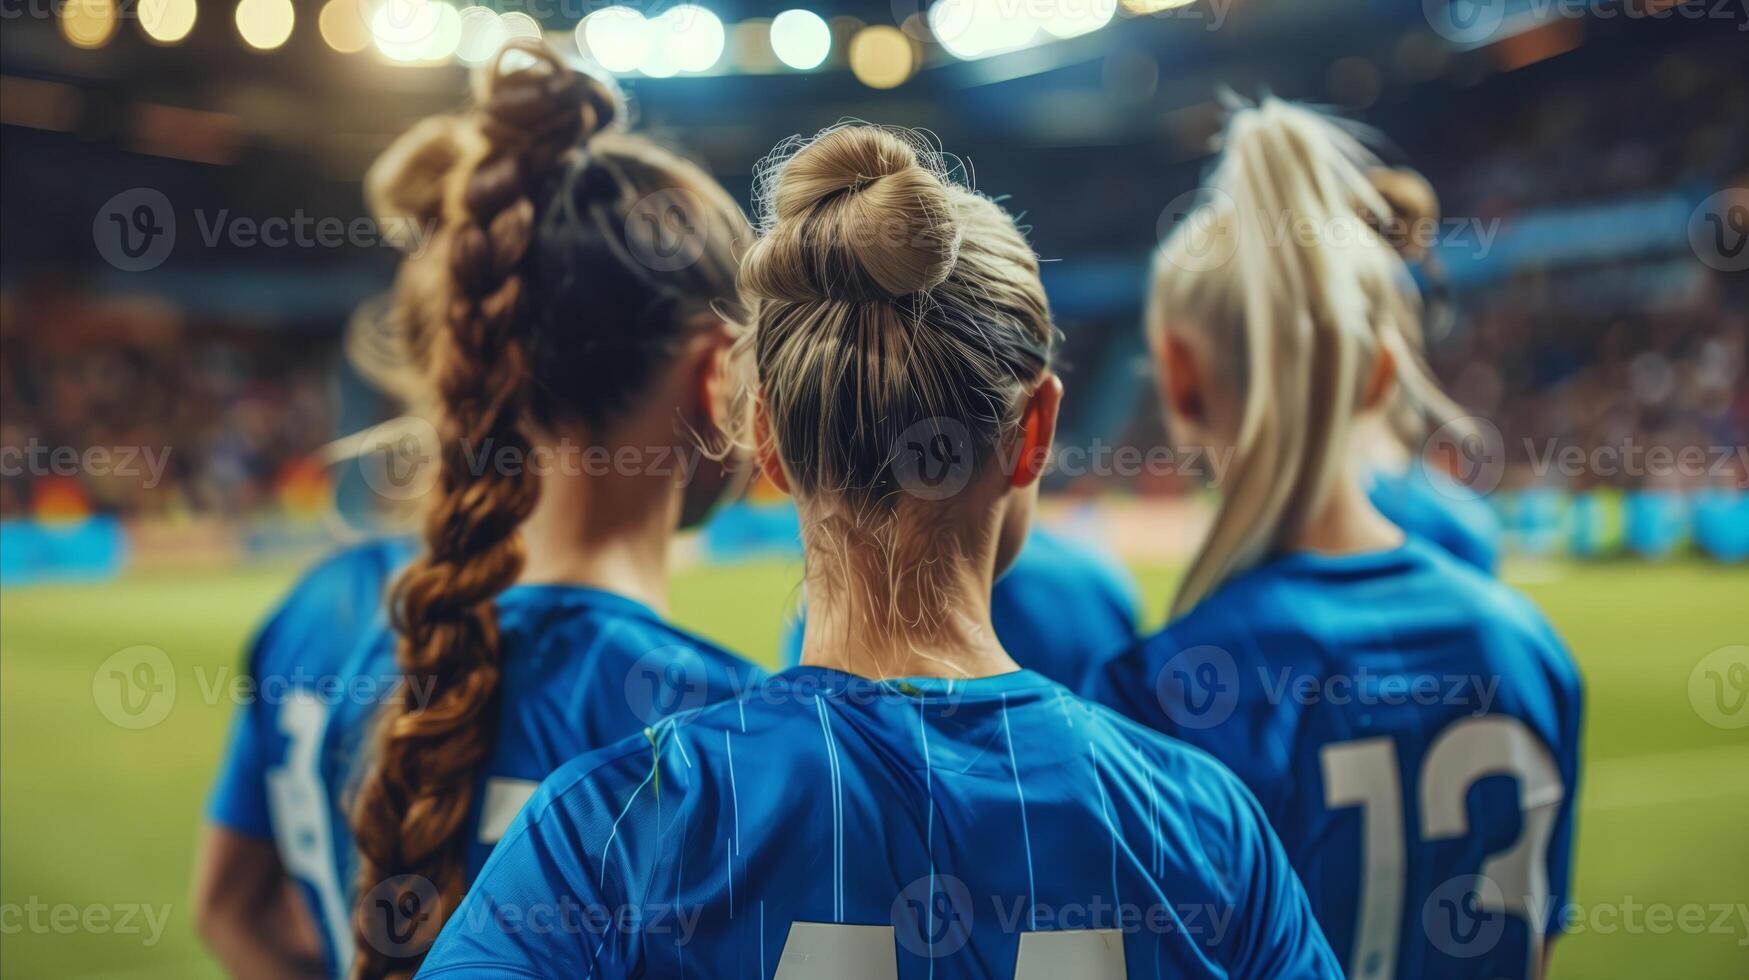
(608, 531)
(872, 625)
(1347, 524)
(1378, 447)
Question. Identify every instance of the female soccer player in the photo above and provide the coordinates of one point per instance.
(571, 361)
(1410, 726)
(907, 803)
(1405, 486)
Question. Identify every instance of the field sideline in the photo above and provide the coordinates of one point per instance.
(101, 820)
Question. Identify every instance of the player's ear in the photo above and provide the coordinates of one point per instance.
(766, 448)
(1181, 379)
(1383, 380)
(710, 383)
(1038, 422)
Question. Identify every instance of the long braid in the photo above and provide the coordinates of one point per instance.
(409, 818)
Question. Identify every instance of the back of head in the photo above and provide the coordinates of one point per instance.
(1299, 297)
(540, 304)
(1410, 224)
(896, 312)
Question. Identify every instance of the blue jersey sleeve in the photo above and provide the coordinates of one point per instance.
(1278, 934)
(317, 620)
(238, 800)
(540, 905)
(1571, 698)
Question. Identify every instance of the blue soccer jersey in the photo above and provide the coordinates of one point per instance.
(1436, 508)
(582, 668)
(1059, 610)
(828, 826)
(310, 635)
(1411, 728)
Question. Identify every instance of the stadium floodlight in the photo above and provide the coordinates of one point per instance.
(341, 24)
(976, 28)
(265, 24)
(167, 21)
(616, 38)
(89, 24)
(683, 38)
(416, 30)
(482, 35)
(882, 56)
(1073, 18)
(800, 39)
(517, 24)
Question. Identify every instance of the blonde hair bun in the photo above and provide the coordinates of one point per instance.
(855, 215)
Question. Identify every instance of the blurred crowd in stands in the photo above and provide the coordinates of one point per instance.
(1681, 116)
(186, 418)
(1637, 351)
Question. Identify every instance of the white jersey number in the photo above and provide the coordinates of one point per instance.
(1364, 773)
(298, 799)
(830, 951)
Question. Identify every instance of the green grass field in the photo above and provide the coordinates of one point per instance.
(96, 820)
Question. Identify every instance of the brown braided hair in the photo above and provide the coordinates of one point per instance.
(409, 815)
(527, 329)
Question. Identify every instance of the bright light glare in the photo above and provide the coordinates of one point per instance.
(800, 39)
(618, 38)
(342, 25)
(975, 28)
(1076, 17)
(416, 30)
(265, 24)
(482, 35)
(88, 23)
(684, 38)
(882, 56)
(979, 28)
(517, 24)
(1145, 7)
(167, 21)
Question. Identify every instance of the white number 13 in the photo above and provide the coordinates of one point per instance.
(1363, 773)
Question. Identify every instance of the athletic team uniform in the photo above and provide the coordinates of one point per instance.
(1410, 727)
(1060, 609)
(828, 826)
(582, 668)
(1436, 508)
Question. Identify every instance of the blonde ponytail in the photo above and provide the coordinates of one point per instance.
(1301, 311)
